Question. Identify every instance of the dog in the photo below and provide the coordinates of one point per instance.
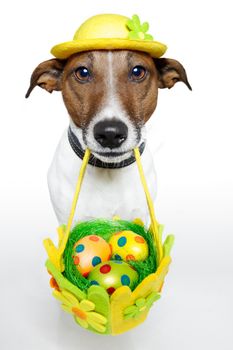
(109, 96)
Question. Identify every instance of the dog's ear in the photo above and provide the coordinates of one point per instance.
(170, 72)
(47, 75)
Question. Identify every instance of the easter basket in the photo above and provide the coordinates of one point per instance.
(95, 307)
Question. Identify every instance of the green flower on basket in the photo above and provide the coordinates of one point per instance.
(141, 305)
(138, 30)
(83, 311)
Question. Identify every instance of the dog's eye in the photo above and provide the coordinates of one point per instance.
(138, 73)
(83, 74)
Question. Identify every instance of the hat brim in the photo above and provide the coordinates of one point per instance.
(65, 50)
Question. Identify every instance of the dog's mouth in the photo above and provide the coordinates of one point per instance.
(112, 153)
(113, 156)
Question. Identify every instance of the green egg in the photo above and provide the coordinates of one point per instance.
(112, 275)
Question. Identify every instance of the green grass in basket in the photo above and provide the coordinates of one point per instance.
(105, 229)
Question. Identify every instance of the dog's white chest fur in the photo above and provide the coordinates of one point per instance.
(104, 193)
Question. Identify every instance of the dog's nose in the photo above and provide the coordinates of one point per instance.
(110, 133)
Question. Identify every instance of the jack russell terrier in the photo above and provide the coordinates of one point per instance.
(109, 95)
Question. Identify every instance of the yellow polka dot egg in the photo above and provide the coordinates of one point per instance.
(127, 245)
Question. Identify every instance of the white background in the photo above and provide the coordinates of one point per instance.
(191, 137)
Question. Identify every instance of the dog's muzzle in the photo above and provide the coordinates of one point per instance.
(77, 148)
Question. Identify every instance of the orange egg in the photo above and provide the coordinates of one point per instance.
(90, 251)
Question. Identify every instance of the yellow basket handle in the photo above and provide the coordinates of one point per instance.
(154, 223)
(75, 200)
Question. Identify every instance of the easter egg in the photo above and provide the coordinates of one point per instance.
(112, 275)
(127, 245)
(90, 251)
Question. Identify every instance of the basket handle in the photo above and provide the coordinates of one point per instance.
(75, 200)
(154, 223)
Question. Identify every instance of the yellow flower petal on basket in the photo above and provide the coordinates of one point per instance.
(59, 296)
(70, 298)
(87, 305)
(95, 317)
(79, 313)
(82, 323)
(98, 327)
(67, 309)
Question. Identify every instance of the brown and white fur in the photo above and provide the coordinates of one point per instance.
(111, 92)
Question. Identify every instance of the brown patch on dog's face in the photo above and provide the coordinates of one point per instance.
(138, 95)
(84, 100)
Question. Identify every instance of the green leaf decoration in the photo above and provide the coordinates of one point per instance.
(140, 302)
(168, 244)
(100, 298)
(145, 27)
(161, 229)
(138, 31)
(136, 21)
(140, 306)
(149, 37)
(154, 296)
(63, 283)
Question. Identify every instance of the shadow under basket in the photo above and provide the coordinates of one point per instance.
(92, 307)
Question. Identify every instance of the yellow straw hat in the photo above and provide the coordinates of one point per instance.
(110, 32)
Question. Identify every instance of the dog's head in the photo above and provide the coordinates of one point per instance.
(109, 95)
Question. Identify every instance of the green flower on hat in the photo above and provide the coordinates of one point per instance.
(141, 305)
(138, 30)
